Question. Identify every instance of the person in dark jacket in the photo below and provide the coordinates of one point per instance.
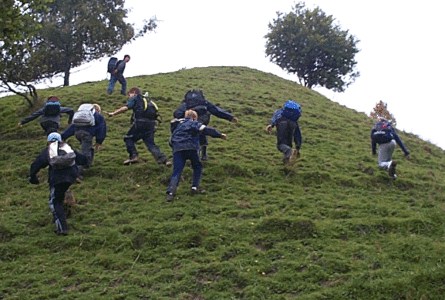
(59, 179)
(195, 100)
(85, 135)
(118, 75)
(49, 115)
(288, 130)
(185, 144)
(143, 127)
(384, 135)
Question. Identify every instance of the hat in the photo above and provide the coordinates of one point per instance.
(54, 136)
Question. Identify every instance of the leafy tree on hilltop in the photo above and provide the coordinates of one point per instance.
(75, 32)
(18, 23)
(308, 43)
(381, 111)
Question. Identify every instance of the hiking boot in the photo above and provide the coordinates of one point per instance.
(132, 160)
(169, 197)
(290, 157)
(392, 169)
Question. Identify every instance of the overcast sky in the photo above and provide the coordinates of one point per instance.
(400, 60)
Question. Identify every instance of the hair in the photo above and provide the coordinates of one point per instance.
(135, 90)
(191, 114)
(97, 107)
(126, 55)
(52, 98)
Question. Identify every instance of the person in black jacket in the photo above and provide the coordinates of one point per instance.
(59, 178)
(118, 75)
(185, 144)
(143, 127)
(384, 135)
(195, 100)
(49, 115)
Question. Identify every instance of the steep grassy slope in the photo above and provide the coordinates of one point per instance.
(330, 227)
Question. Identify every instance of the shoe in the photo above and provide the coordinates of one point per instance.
(169, 197)
(195, 191)
(168, 163)
(61, 232)
(132, 160)
(392, 169)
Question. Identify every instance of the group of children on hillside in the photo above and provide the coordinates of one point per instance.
(189, 130)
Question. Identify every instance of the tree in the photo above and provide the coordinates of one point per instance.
(381, 111)
(75, 32)
(18, 23)
(308, 43)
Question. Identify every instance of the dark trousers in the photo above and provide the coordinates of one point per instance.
(49, 126)
(285, 136)
(145, 131)
(56, 198)
(179, 159)
(86, 145)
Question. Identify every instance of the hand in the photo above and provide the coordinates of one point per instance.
(97, 147)
(269, 128)
(408, 156)
(20, 124)
(224, 136)
(33, 180)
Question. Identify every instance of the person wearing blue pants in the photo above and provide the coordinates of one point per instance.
(185, 144)
(118, 75)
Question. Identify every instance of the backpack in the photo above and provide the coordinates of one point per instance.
(84, 116)
(52, 107)
(61, 156)
(112, 64)
(194, 99)
(146, 109)
(291, 110)
(382, 132)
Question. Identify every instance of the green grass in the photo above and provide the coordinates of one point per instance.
(333, 226)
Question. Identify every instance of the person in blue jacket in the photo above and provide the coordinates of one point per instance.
(59, 179)
(384, 135)
(285, 120)
(195, 100)
(49, 115)
(185, 144)
(118, 75)
(85, 135)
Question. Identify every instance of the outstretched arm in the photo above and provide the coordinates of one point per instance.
(118, 111)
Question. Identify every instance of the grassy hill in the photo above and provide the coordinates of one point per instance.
(333, 226)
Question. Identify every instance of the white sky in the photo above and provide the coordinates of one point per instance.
(400, 60)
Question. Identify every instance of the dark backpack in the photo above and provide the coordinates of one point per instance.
(146, 109)
(291, 110)
(194, 99)
(112, 65)
(382, 132)
(52, 107)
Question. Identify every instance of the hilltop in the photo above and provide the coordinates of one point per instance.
(332, 226)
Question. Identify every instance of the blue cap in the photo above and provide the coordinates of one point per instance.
(54, 136)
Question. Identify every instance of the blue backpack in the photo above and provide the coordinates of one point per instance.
(112, 65)
(291, 110)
